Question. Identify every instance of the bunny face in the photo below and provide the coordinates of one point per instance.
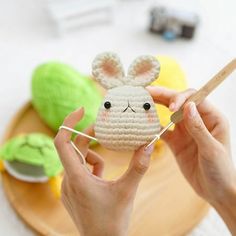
(127, 118)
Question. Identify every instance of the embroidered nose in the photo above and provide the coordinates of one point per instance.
(129, 107)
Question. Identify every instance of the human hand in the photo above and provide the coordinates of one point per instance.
(98, 207)
(200, 143)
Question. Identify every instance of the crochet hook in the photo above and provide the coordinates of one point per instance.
(199, 96)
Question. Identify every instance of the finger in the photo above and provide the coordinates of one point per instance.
(64, 185)
(167, 135)
(96, 161)
(215, 121)
(179, 99)
(161, 95)
(70, 121)
(69, 158)
(212, 118)
(81, 142)
(205, 108)
(64, 148)
(137, 168)
(196, 127)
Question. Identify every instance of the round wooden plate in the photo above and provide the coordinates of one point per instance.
(165, 203)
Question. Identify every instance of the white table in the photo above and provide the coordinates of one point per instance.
(27, 38)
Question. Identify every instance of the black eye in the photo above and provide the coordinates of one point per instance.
(146, 106)
(107, 105)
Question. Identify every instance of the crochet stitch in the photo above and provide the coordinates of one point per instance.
(127, 118)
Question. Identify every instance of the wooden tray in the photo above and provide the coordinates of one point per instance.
(165, 203)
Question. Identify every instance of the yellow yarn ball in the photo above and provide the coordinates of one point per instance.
(173, 77)
(1, 166)
(55, 185)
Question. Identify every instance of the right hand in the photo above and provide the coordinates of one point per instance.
(201, 145)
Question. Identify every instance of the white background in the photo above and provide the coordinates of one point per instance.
(28, 37)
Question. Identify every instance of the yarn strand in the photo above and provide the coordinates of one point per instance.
(77, 132)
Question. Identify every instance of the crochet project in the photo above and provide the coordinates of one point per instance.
(31, 157)
(127, 118)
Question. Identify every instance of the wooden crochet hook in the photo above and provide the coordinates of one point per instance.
(199, 96)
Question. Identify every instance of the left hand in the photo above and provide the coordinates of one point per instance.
(200, 144)
(98, 207)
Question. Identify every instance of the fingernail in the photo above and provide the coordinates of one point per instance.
(192, 110)
(172, 106)
(150, 87)
(148, 150)
(145, 158)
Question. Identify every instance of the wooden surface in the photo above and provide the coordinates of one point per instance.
(165, 204)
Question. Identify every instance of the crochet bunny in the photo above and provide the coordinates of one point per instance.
(127, 119)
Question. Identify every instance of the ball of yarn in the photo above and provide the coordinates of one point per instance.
(58, 89)
(173, 77)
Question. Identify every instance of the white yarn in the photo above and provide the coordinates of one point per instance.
(79, 152)
(77, 132)
(100, 70)
(126, 125)
(108, 70)
(72, 143)
(149, 74)
(126, 130)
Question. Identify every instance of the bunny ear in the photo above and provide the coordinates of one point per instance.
(107, 70)
(143, 71)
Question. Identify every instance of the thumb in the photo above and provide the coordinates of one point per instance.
(196, 127)
(137, 167)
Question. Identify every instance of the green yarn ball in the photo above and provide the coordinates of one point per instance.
(58, 89)
(34, 149)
